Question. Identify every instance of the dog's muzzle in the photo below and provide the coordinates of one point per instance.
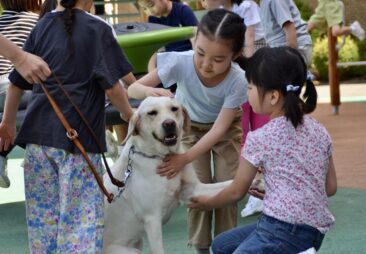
(170, 133)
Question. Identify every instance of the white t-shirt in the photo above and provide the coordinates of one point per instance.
(202, 103)
(249, 11)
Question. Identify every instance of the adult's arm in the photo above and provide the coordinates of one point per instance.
(30, 66)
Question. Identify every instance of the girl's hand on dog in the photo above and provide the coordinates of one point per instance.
(256, 193)
(200, 203)
(171, 165)
(157, 92)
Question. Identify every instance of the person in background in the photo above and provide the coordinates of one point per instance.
(16, 21)
(64, 203)
(283, 26)
(169, 13)
(329, 14)
(211, 87)
(295, 154)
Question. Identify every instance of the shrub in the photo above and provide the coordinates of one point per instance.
(348, 53)
(304, 9)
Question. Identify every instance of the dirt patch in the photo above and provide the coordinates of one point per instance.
(348, 131)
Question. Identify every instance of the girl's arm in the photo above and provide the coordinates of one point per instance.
(174, 163)
(331, 180)
(234, 192)
(128, 79)
(8, 123)
(145, 87)
(291, 36)
(249, 41)
(118, 97)
(31, 67)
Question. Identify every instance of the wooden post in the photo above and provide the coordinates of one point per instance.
(333, 73)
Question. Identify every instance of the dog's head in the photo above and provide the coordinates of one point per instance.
(159, 122)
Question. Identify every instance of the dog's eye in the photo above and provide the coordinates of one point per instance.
(152, 113)
(174, 109)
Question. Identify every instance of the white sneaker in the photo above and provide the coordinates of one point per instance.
(4, 179)
(308, 251)
(254, 205)
(357, 30)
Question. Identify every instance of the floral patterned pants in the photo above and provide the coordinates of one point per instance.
(63, 201)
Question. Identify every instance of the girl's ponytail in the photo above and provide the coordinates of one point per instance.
(310, 96)
(68, 21)
(292, 105)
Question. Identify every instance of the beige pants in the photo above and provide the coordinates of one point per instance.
(225, 158)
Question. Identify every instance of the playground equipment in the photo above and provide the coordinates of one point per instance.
(141, 40)
(333, 66)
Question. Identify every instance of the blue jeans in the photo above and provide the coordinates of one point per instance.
(267, 236)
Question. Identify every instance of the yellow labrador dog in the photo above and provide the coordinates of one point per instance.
(148, 200)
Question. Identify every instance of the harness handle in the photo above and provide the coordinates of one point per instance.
(73, 136)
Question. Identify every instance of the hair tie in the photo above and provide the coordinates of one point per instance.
(309, 76)
(291, 88)
(68, 3)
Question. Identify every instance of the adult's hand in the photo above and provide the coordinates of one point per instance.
(31, 67)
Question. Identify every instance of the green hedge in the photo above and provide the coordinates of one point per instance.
(350, 52)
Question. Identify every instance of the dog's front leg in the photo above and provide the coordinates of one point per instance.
(153, 229)
(197, 189)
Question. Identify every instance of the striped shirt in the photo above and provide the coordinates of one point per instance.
(15, 26)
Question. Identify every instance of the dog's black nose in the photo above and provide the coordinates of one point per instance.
(169, 125)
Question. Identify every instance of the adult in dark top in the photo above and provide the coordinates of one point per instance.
(64, 203)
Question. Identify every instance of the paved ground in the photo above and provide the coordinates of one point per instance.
(348, 130)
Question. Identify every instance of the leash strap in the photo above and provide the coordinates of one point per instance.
(73, 136)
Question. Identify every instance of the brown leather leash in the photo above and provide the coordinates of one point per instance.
(73, 136)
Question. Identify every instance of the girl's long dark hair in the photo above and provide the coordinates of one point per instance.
(68, 21)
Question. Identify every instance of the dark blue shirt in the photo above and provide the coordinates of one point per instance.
(180, 15)
(96, 64)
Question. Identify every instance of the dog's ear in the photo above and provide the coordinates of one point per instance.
(133, 127)
(187, 120)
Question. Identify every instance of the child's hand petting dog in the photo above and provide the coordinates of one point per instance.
(157, 92)
(256, 193)
(257, 189)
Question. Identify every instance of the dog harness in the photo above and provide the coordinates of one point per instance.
(128, 171)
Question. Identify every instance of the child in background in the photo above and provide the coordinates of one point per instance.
(295, 153)
(169, 13)
(249, 11)
(283, 26)
(329, 13)
(64, 203)
(212, 88)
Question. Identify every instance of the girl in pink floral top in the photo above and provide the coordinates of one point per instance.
(295, 153)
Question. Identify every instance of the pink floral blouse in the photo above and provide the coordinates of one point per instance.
(295, 163)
